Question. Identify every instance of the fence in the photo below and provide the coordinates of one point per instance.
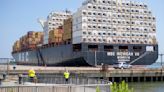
(58, 88)
(49, 79)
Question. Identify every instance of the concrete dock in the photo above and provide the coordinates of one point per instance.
(136, 74)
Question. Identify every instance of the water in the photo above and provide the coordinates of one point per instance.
(148, 87)
(156, 65)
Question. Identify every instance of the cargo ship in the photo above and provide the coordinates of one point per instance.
(99, 32)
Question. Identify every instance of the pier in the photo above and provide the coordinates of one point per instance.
(136, 74)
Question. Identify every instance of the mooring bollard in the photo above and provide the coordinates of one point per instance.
(0, 81)
(4, 76)
(20, 81)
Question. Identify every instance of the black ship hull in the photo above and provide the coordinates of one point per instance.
(85, 54)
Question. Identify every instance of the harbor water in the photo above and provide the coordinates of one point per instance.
(148, 86)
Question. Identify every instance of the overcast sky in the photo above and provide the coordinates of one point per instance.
(17, 17)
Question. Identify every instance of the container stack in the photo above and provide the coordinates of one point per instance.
(56, 35)
(28, 41)
(67, 27)
(16, 46)
(33, 39)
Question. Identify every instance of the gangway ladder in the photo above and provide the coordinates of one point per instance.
(143, 55)
(40, 57)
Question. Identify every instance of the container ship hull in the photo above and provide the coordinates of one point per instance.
(86, 54)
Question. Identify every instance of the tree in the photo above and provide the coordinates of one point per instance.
(121, 87)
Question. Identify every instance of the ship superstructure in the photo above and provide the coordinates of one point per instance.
(108, 21)
(54, 20)
(100, 31)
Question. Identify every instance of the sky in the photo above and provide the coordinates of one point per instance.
(17, 17)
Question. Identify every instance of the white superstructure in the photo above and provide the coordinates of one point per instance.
(114, 21)
(54, 20)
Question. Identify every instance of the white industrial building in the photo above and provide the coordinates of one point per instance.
(114, 21)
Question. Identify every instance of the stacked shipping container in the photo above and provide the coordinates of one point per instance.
(56, 35)
(67, 35)
(16, 46)
(28, 41)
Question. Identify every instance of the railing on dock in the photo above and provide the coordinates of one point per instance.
(57, 88)
(72, 80)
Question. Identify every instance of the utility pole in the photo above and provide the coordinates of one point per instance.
(95, 58)
(161, 55)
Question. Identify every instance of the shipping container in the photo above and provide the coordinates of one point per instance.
(67, 27)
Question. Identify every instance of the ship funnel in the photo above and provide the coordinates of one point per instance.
(42, 22)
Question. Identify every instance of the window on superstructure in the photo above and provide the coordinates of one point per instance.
(89, 13)
(89, 33)
(137, 29)
(114, 3)
(94, 1)
(99, 7)
(137, 11)
(94, 7)
(104, 8)
(123, 48)
(145, 30)
(133, 22)
(153, 18)
(154, 30)
(89, 6)
(89, 26)
(127, 4)
(141, 17)
(84, 33)
(84, 13)
(145, 6)
(137, 48)
(94, 20)
(104, 21)
(104, 40)
(114, 34)
(109, 8)
(145, 12)
(99, 40)
(104, 14)
(108, 48)
(141, 6)
(99, 14)
(150, 24)
(109, 2)
(76, 47)
(100, 20)
(89, 20)
(114, 29)
(104, 33)
(92, 47)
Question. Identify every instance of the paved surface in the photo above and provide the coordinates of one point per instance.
(23, 67)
